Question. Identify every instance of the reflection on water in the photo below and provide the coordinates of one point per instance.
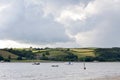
(44, 71)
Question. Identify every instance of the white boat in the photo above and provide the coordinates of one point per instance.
(70, 63)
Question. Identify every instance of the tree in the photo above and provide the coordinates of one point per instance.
(89, 58)
(68, 49)
(1, 58)
(47, 53)
(9, 57)
(19, 58)
(44, 57)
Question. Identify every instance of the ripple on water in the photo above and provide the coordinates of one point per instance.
(27, 71)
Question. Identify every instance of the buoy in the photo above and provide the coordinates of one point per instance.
(84, 68)
(84, 65)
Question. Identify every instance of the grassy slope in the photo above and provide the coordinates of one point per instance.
(82, 52)
(52, 52)
(5, 54)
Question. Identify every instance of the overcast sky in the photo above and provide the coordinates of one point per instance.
(59, 23)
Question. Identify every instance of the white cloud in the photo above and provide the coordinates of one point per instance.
(76, 13)
(105, 27)
(94, 24)
(12, 44)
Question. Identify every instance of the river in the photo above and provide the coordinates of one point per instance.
(45, 71)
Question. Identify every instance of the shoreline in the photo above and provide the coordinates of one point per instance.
(107, 78)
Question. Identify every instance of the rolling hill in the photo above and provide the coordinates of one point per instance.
(6, 54)
(62, 54)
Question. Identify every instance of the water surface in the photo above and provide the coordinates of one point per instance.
(45, 71)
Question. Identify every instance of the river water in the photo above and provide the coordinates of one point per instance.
(45, 71)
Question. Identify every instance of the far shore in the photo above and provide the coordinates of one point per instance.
(48, 61)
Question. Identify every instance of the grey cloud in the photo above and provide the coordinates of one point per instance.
(29, 25)
(109, 36)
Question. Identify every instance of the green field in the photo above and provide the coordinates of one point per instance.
(82, 52)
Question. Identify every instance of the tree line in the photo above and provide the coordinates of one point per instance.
(101, 54)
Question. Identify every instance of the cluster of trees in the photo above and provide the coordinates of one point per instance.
(22, 54)
(8, 59)
(107, 54)
(67, 56)
(104, 54)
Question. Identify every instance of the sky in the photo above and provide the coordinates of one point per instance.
(59, 23)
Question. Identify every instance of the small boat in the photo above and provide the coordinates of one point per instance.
(1, 61)
(69, 63)
(36, 63)
(55, 65)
